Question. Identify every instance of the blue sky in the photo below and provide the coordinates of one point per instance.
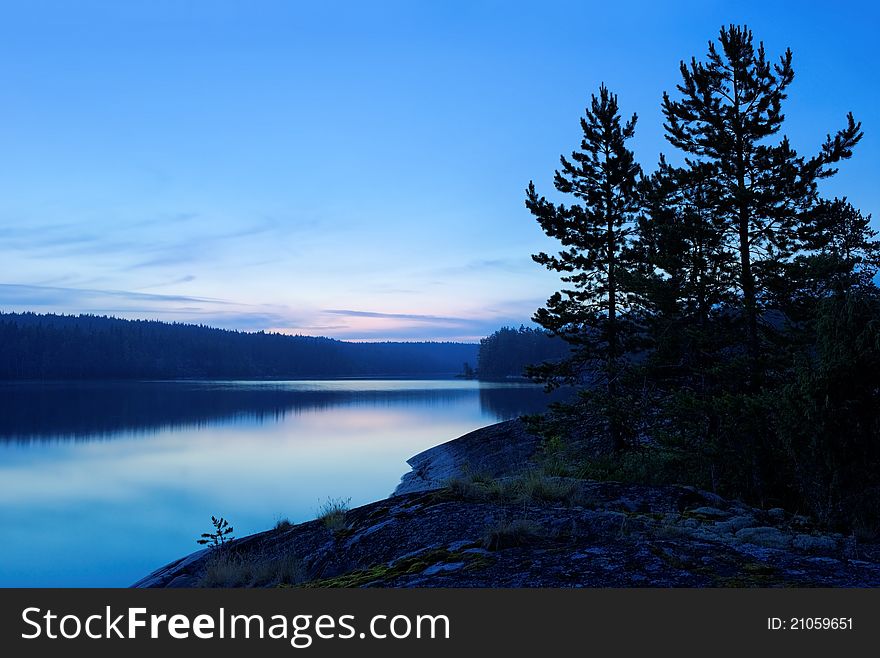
(347, 169)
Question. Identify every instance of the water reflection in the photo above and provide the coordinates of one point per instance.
(101, 483)
(107, 410)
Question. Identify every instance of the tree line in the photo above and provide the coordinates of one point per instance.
(722, 315)
(508, 352)
(45, 347)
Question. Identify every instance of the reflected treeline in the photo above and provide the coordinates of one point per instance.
(89, 411)
(511, 402)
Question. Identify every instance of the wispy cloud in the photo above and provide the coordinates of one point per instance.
(519, 265)
(345, 324)
(396, 316)
(183, 279)
(210, 311)
(379, 325)
(12, 293)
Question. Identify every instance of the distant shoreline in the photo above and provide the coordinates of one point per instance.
(85, 347)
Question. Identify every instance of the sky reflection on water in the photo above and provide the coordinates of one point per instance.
(101, 483)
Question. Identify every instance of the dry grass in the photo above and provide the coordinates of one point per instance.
(467, 487)
(226, 568)
(332, 513)
(535, 486)
(531, 486)
(507, 534)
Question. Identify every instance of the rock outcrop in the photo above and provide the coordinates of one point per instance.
(495, 451)
(509, 527)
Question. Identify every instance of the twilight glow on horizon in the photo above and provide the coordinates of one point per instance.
(352, 170)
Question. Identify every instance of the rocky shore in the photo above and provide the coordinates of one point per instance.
(477, 512)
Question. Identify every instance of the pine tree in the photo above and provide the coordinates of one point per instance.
(841, 239)
(688, 274)
(730, 106)
(840, 255)
(682, 238)
(594, 313)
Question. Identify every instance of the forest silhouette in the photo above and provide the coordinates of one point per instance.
(47, 347)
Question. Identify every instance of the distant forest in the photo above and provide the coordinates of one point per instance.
(508, 352)
(47, 347)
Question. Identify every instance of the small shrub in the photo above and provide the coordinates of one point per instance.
(283, 524)
(651, 466)
(222, 533)
(554, 458)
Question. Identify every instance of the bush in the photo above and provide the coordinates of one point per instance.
(828, 417)
(653, 466)
(222, 533)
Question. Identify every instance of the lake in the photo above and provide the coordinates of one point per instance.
(101, 483)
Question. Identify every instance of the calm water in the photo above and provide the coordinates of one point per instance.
(101, 483)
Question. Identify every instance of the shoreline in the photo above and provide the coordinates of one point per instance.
(477, 511)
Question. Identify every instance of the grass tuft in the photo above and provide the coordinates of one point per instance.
(507, 534)
(226, 568)
(332, 513)
(531, 486)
